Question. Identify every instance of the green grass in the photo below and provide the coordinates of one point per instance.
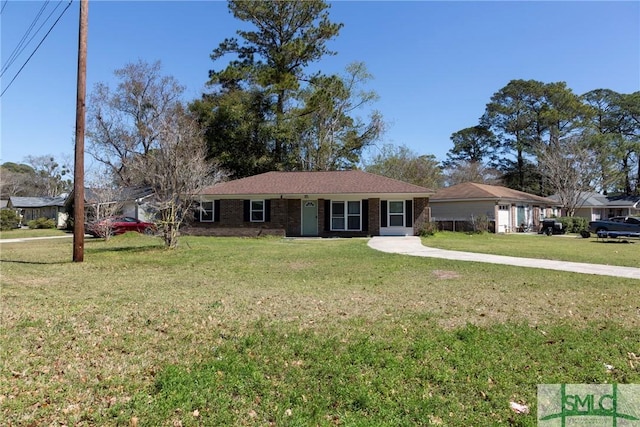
(394, 376)
(295, 332)
(573, 248)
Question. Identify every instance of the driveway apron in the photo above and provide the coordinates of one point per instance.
(412, 245)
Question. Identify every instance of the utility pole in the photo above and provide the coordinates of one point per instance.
(78, 174)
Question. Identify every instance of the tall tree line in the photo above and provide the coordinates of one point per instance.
(267, 111)
(535, 133)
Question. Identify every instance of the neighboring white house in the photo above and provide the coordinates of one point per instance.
(507, 210)
(30, 208)
(129, 201)
(595, 206)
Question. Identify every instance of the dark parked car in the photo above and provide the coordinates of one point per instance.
(551, 226)
(119, 225)
(617, 223)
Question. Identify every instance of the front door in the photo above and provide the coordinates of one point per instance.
(309, 217)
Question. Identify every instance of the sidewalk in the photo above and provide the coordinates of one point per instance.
(28, 239)
(413, 246)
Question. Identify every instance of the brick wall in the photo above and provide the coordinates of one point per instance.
(232, 221)
(294, 217)
(374, 217)
(421, 213)
(286, 218)
(231, 214)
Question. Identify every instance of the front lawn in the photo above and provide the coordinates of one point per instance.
(574, 248)
(226, 331)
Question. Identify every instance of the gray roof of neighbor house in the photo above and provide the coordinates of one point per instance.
(322, 183)
(119, 195)
(92, 195)
(475, 191)
(36, 202)
(597, 200)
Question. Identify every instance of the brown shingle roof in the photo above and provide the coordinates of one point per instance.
(315, 183)
(475, 191)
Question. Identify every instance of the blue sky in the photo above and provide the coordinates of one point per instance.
(435, 64)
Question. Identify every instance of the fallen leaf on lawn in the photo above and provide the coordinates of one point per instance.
(518, 408)
(435, 420)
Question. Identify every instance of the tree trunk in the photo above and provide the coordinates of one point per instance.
(279, 144)
(520, 170)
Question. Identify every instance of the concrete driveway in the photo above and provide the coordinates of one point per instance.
(413, 246)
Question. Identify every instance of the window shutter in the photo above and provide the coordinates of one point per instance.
(267, 210)
(247, 210)
(216, 211)
(408, 213)
(383, 213)
(196, 211)
(327, 215)
(365, 215)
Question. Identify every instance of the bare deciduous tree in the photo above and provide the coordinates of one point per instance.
(50, 177)
(145, 137)
(176, 170)
(14, 183)
(570, 169)
(126, 122)
(103, 201)
(400, 162)
(465, 171)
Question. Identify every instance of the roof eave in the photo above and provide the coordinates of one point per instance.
(313, 196)
(496, 199)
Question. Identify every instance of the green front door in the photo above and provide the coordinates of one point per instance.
(309, 217)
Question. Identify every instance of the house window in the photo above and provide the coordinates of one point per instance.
(353, 215)
(396, 213)
(257, 210)
(206, 211)
(346, 215)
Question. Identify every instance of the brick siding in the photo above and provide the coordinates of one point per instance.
(286, 218)
(421, 213)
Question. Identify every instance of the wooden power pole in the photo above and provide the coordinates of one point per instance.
(78, 174)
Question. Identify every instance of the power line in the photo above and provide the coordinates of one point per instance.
(36, 49)
(26, 34)
(23, 45)
(4, 3)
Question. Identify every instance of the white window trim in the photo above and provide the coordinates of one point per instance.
(202, 210)
(251, 210)
(346, 215)
(390, 214)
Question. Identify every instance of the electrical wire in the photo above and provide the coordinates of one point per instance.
(36, 49)
(12, 60)
(14, 53)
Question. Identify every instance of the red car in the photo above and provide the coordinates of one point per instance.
(119, 225)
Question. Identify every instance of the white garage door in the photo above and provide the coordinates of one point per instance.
(504, 219)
